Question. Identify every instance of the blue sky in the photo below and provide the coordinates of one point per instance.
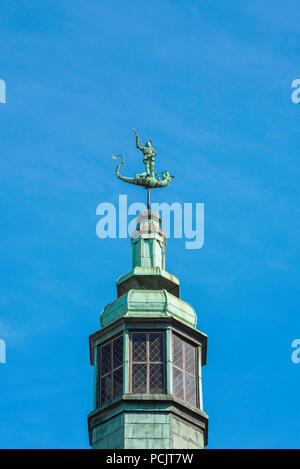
(210, 83)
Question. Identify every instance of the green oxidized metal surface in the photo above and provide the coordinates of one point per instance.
(152, 278)
(146, 430)
(154, 303)
(144, 424)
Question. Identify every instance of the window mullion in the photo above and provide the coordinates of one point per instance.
(148, 361)
(183, 366)
(111, 368)
(130, 363)
(100, 378)
(196, 377)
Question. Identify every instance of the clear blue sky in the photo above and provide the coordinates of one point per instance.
(210, 83)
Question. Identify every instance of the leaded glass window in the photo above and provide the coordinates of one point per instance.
(184, 370)
(147, 362)
(110, 363)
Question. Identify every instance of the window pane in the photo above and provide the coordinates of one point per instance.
(190, 389)
(156, 346)
(106, 389)
(139, 347)
(139, 378)
(178, 383)
(157, 379)
(118, 382)
(177, 352)
(189, 358)
(105, 359)
(118, 352)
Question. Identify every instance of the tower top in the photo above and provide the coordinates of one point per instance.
(148, 275)
(148, 353)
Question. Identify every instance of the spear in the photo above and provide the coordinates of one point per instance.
(137, 137)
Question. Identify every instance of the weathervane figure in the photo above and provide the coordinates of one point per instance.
(149, 154)
(149, 179)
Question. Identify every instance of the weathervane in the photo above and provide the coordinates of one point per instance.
(149, 179)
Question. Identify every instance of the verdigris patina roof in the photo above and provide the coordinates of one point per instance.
(150, 303)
